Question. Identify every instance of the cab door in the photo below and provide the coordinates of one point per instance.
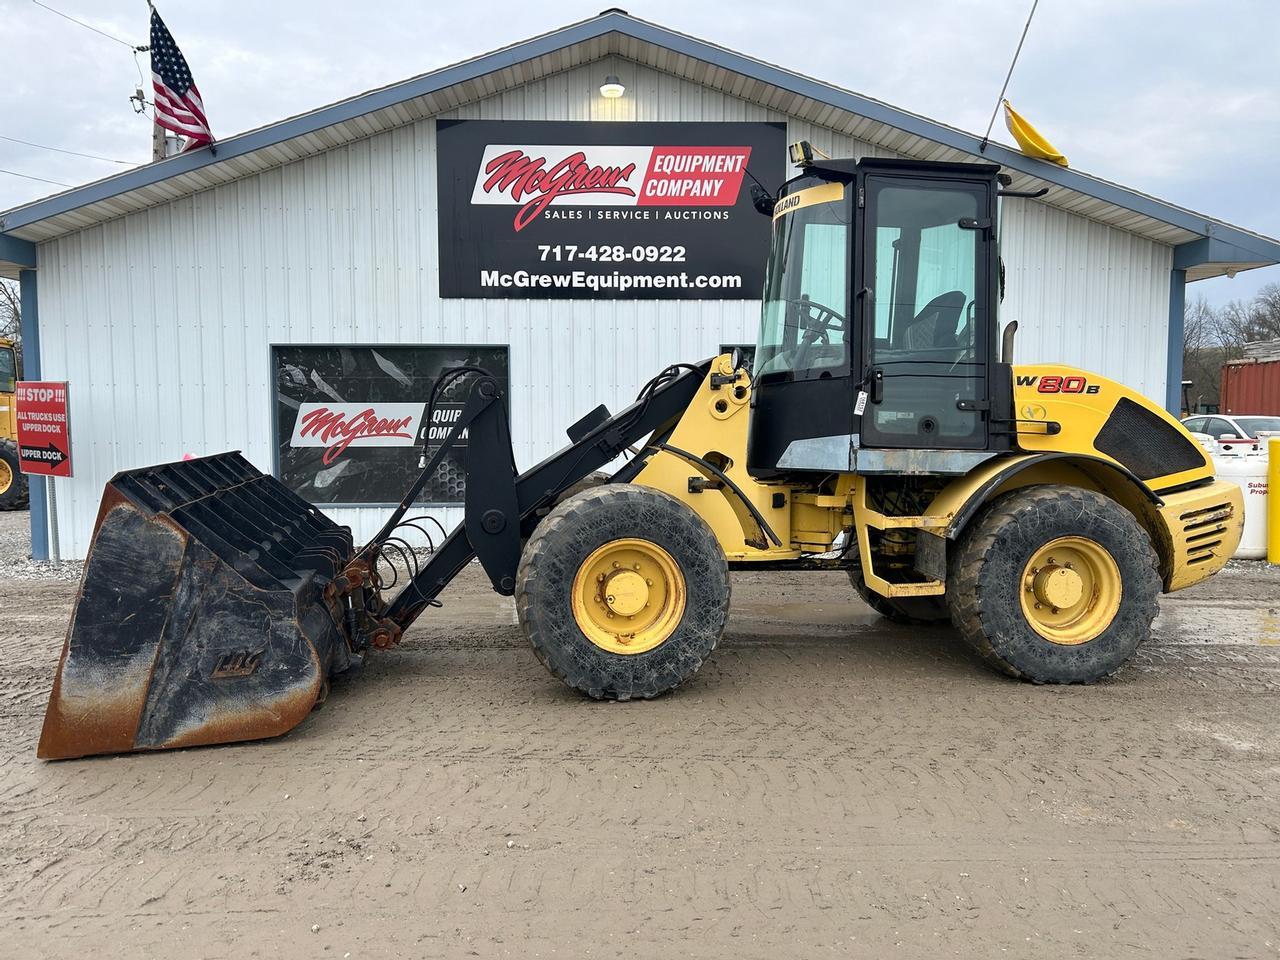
(926, 311)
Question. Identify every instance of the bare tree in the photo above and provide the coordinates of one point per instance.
(1265, 323)
(10, 310)
(11, 316)
(1202, 351)
(1213, 336)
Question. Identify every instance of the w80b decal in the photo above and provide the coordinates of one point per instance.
(1057, 384)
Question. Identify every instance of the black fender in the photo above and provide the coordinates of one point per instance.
(1088, 465)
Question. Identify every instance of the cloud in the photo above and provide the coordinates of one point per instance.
(1171, 97)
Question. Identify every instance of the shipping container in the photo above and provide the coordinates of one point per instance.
(1251, 387)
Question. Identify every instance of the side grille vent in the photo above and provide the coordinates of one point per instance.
(1204, 530)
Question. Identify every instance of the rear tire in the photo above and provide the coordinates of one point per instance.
(1001, 587)
(905, 610)
(13, 483)
(557, 597)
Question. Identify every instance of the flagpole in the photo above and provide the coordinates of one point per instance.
(158, 133)
(986, 137)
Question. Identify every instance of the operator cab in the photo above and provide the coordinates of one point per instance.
(877, 331)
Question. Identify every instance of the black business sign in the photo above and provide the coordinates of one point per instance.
(350, 420)
(575, 210)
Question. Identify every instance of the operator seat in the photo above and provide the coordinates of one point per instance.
(934, 327)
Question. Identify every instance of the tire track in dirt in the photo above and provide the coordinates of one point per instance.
(824, 786)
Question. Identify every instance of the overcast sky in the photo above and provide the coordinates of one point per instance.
(1177, 98)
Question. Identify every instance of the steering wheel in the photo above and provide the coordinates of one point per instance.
(816, 320)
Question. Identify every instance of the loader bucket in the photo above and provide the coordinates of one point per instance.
(202, 615)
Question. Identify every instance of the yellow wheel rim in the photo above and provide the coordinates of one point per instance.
(1070, 590)
(628, 596)
(6, 477)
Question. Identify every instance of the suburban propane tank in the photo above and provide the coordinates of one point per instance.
(1249, 470)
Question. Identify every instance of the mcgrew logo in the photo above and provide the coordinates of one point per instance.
(337, 429)
(535, 177)
(519, 175)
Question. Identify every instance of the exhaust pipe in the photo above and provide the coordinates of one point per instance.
(1006, 341)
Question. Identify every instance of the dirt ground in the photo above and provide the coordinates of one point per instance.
(828, 785)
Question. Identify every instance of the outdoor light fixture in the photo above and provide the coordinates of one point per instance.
(612, 87)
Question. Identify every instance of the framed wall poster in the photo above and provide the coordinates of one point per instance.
(349, 419)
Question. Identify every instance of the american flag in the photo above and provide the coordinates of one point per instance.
(178, 104)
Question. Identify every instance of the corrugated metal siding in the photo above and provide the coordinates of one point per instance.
(1251, 387)
(162, 320)
(1086, 294)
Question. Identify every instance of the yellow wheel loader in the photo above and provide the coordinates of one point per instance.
(13, 483)
(882, 430)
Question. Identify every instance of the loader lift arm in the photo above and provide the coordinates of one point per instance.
(220, 602)
(501, 506)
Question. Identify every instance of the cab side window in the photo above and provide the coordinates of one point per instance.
(8, 370)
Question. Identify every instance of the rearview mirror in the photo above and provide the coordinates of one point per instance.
(762, 200)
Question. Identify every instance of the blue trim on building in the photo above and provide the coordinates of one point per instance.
(31, 371)
(1260, 249)
(20, 252)
(1177, 318)
(1214, 249)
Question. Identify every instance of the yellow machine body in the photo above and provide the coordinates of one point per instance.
(13, 485)
(1194, 521)
(8, 410)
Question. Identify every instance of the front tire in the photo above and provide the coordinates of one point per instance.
(1054, 585)
(623, 591)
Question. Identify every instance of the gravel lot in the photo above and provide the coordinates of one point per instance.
(829, 784)
(15, 553)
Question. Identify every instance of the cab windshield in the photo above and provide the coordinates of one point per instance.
(803, 327)
(8, 370)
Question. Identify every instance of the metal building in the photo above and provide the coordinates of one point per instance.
(165, 295)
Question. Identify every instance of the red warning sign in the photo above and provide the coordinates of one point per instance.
(44, 428)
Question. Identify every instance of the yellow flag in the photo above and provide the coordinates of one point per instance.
(1030, 140)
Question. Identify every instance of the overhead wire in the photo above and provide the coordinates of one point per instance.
(87, 26)
(74, 153)
(27, 176)
(135, 48)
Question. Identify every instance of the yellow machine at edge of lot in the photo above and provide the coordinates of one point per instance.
(882, 429)
(13, 484)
